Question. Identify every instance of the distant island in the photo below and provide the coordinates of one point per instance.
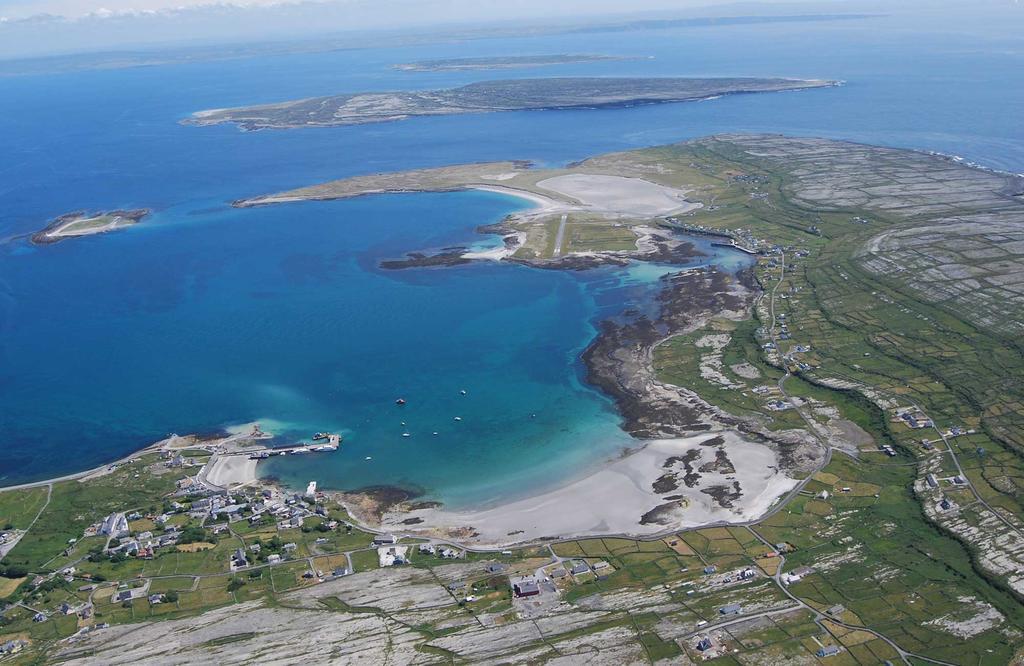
(490, 96)
(503, 62)
(80, 223)
(122, 59)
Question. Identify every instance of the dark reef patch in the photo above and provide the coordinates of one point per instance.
(450, 256)
(724, 495)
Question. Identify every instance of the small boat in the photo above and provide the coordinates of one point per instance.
(403, 422)
(405, 434)
(369, 458)
(400, 401)
(435, 434)
(463, 391)
(320, 435)
(458, 418)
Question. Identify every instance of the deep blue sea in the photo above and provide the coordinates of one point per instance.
(205, 316)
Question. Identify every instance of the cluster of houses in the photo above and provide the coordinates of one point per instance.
(207, 506)
(944, 503)
(783, 328)
(933, 482)
(796, 575)
(747, 573)
(84, 611)
(142, 545)
(390, 556)
(706, 646)
(913, 417)
(115, 526)
(958, 431)
(175, 460)
(742, 239)
(126, 593)
(81, 633)
(445, 552)
(289, 512)
(577, 568)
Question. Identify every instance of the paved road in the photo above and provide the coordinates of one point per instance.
(84, 473)
(812, 425)
(561, 236)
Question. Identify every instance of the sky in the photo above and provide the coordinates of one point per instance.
(361, 10)
(46, 27)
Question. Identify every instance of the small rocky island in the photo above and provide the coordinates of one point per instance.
(490, 96)
(81, 223)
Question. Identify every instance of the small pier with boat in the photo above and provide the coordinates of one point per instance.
(323, 442)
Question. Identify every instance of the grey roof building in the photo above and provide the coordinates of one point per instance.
(526, 588)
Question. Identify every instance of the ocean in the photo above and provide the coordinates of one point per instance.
(206, 316)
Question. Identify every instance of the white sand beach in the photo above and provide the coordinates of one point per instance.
(542, 205)
(613, 499)
(230, 470)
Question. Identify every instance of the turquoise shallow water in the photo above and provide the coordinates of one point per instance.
(207, 316)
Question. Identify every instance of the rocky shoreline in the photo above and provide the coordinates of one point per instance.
(619, 360)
